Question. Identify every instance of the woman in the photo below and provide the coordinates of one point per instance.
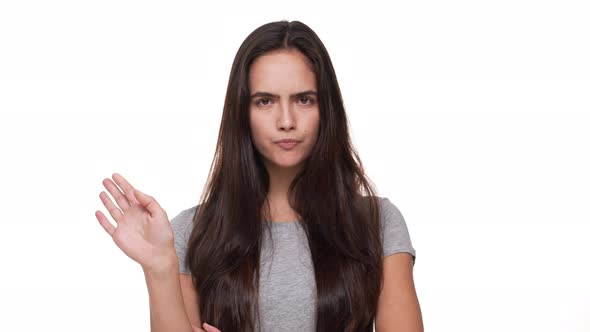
(289, 234)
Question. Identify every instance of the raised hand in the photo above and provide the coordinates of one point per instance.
(143, 231)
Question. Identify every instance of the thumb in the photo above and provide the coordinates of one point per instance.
(148, 202)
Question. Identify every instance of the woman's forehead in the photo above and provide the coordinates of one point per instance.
(281, 72)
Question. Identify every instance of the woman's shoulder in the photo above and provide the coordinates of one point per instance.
(396, 235)
(182, 220)
(385, 205)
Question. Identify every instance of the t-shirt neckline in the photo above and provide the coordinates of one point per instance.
(284, 222)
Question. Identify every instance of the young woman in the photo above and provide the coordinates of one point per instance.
(289, 234)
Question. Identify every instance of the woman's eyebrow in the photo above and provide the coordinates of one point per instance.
(268, 94)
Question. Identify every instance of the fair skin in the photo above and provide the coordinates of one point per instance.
(144, 231)
(398, 308)
(283, 105)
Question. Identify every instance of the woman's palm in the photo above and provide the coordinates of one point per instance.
(143, 231)
(141, 236)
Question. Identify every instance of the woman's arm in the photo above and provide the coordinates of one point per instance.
(167, 311)
(398, 308)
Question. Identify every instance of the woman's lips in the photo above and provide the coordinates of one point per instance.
(287, 145)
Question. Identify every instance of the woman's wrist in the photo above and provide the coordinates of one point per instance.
(162, 267)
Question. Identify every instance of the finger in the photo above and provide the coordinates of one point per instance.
(128, 189)
(105, 223)
(148, 202)
(210, 328)
(197, 329)
(113, 210)
(116, 193)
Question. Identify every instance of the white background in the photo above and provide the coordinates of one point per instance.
(471, 116)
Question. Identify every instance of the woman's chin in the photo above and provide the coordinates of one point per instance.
(286, 163)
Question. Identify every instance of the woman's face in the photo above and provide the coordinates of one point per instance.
(283, 105)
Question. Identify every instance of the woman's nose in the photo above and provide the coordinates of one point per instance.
(286, 119)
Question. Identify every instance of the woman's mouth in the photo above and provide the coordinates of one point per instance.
(287, 145)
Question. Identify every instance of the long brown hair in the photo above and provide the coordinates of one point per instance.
(332, 195)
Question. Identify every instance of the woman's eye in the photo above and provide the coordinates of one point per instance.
(309, 100)
(266, 101)
(260, 101)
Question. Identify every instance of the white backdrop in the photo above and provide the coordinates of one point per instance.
(471, 116)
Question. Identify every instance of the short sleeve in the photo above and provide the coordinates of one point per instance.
(396, 237)
(181, 227)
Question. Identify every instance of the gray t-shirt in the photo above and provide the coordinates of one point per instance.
(287, 282)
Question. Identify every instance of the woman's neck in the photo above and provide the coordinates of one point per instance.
(277, 197)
